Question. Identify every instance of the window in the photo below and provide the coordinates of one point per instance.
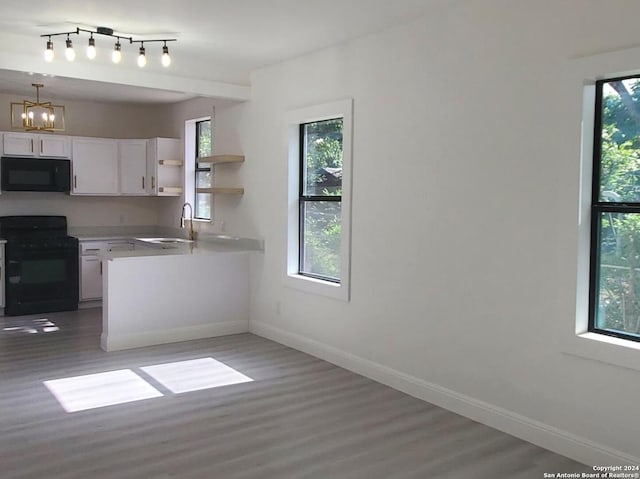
(203, 172)
(319, 199)
(614, 302)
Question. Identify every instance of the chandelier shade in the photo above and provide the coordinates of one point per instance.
(36, 115)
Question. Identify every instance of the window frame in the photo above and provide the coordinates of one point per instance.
(293, 278)
(570, 333)
(198, 169)
(597, 208)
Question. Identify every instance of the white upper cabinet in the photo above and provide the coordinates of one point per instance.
(133, 167)
(54, 146)
(164, 166)
(29, 144)
(19, 144)
(95, 166)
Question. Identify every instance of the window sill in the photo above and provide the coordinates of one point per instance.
(605, 349)
(317, 286)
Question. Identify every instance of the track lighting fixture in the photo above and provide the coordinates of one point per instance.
(166, 59)
(142, 59)
(48, 53)
(91, 49)
(116, 54)
(69, 52)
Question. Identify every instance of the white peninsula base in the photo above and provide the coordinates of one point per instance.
(151, 300)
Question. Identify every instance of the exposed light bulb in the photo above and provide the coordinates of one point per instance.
(48, 53)
(142, 58)
(69, 52)
(91, 49)
(116, 55)
(166, 59)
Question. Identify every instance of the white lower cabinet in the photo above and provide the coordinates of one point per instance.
(91, 265)
(91, 278)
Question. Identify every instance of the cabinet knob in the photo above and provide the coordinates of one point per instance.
(143, 182)
(75, 181)
(153, 182)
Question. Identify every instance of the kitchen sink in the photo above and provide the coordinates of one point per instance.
(166, 241)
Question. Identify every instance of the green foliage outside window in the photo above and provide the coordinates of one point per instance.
(204, 175)
(322, 219)
(618, 307)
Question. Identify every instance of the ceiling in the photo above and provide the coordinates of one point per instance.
(219, 42)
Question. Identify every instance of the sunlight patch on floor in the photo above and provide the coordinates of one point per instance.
(30, 326)
(92, 391)
(195, 375)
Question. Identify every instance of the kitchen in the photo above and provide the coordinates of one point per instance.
(102, 187)
(463, 282)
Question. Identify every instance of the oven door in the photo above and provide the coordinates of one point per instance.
(40, 280)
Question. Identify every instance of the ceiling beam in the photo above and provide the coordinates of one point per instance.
(125, 76)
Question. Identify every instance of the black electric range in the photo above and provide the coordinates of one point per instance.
(41, 265)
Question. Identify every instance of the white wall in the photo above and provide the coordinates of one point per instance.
(83, 210)
(103, 120)
(464, 215)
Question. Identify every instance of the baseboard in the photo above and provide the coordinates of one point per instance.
(174, 335)
(536, 432)
(90, 304)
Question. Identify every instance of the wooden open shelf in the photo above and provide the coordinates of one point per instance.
(218, 159)
(171, 162)
(221, 191)
(169, 190)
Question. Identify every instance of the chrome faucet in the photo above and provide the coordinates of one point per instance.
(183, 218)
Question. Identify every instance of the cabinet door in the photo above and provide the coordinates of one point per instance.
(95, 167)
(133, 167)
(19, 144)
(54, 146)
(90, 278)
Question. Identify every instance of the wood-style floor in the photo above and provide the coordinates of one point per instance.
(300, 418)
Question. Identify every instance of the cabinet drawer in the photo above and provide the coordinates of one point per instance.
(91, 247)
(119, 246)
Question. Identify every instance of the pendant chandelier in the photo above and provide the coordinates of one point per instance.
(116, 53)
(37, 116)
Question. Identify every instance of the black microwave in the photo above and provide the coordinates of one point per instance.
(35, 174)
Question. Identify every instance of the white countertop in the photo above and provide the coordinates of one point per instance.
(196, 248)
(207, 243)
